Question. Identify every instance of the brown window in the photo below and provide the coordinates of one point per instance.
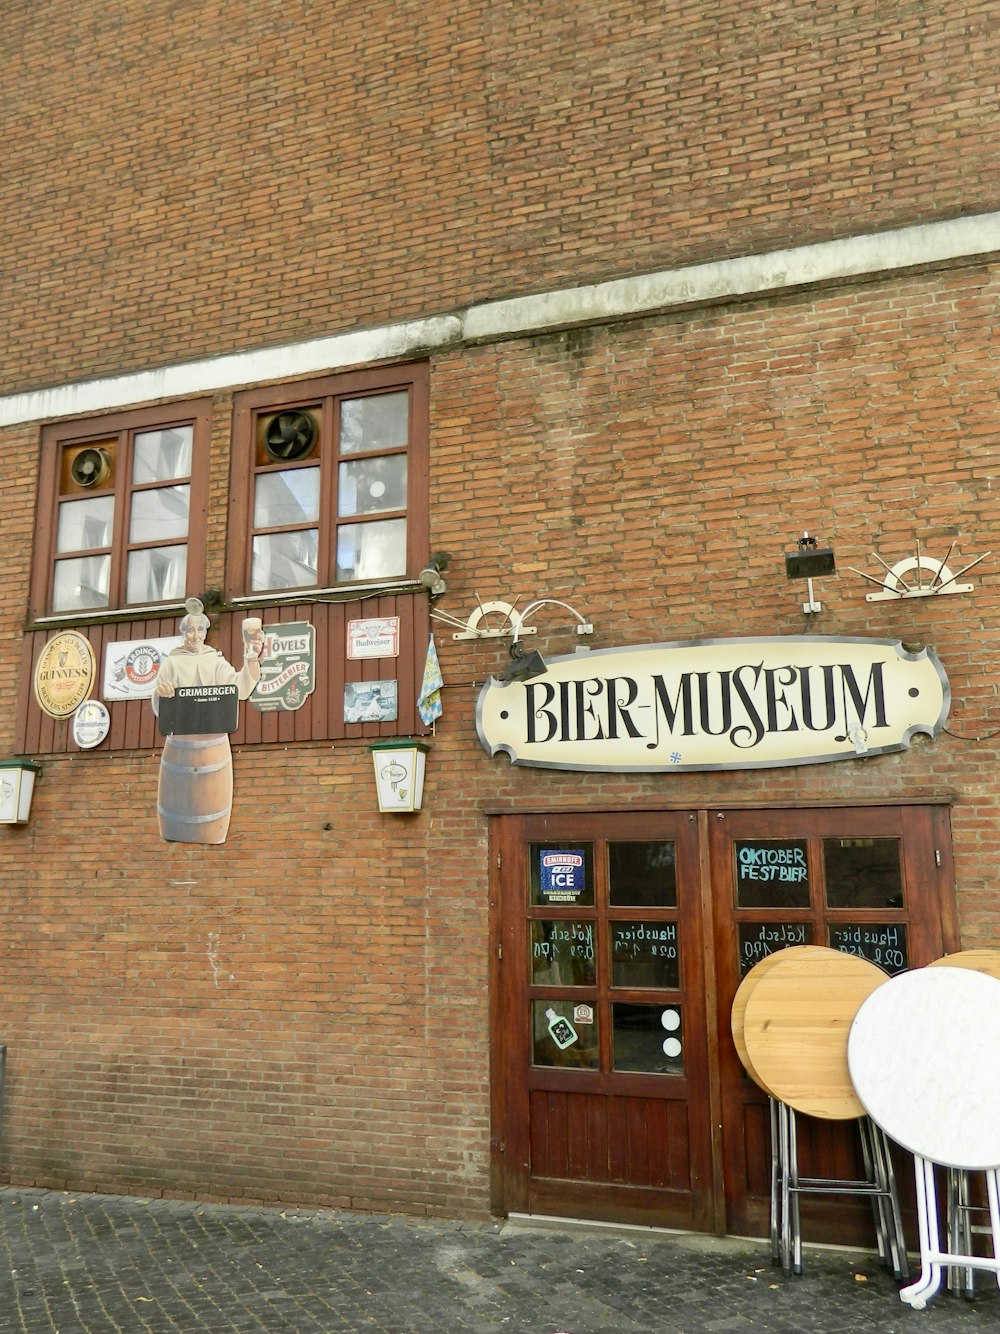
(329, 483)
(121, 511)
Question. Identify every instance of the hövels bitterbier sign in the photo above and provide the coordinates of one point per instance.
(717, 704)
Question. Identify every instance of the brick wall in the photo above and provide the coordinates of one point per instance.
(197, 178)
(302, 1014)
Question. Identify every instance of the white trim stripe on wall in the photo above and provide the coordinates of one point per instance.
(752, 275)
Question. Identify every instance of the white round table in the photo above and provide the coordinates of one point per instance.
(924, 1057)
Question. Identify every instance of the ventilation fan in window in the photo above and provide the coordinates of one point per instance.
(290, 436)
(91, 467)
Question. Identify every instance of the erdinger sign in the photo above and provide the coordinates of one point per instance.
(717, 704)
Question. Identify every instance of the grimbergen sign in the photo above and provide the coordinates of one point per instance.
(717, 704)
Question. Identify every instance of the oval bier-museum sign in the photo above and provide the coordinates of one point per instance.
(64, 674)
(717, 704)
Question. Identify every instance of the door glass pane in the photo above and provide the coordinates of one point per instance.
(562, 954)
(644, 954)
(160, 455)
(647, 1037)
(564, 1034)
(759, 939)
(85, 524)
(883, 943)
(642, 874)
(863, 873)
(561, 873)
(380, 421)
(286, 497)
(371, 550)
(158, 574)
(81, 581)
(160, 514)
(772, 873)
(372, 486)
(285, 560)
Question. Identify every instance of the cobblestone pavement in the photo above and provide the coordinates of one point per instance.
(100, 1264)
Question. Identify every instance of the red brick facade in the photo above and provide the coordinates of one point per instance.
(302, 1015)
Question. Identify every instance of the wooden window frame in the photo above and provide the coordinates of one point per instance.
(322, 396)
(122, 427)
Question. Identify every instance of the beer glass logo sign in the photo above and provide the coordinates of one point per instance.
(562, 875)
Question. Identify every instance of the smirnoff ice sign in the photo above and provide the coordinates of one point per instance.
(717, 704)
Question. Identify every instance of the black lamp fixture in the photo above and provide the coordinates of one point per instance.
(523, 666)
(808, 561)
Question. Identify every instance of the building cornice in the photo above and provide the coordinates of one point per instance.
(857, 257)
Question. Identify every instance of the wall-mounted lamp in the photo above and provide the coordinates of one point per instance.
(399, 774)
(523, 666)
(808, 561)
(17, 784)
(430, 576)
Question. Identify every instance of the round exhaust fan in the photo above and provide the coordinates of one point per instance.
(290, 435)
(91, 467)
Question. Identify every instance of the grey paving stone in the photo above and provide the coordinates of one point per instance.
(86, 1264)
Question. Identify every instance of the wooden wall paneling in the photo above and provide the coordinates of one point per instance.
(285, 717)
(28, 714)
(303, 723)
(147, 729)
(336, 669)
(316, 711)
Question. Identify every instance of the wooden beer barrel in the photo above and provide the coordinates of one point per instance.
(194, 799)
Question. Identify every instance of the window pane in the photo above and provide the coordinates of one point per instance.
(562, 953)
(880, 943)
(160, 514)
(284, 498)
(564, 1034)
(647, 1037)
(85, 524)
(644, 954)
(81, 582)
(863, 873)
(371, 486)
(156, 575)
(643, 875)
(760, 939)
(380, 421)
(160, 455)
(561, 873)
(371, 550)
(285, 560)
(772, 873)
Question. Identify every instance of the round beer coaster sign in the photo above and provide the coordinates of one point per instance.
(91, 724)
(64, 674)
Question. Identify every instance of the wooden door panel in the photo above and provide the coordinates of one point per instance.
(614, 1141)
(827, 1149)
(642, 1146)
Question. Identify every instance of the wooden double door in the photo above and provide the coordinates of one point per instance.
(620, 940)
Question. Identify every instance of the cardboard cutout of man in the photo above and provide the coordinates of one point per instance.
(194, 797)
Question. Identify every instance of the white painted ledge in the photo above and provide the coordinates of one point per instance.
(803, 266)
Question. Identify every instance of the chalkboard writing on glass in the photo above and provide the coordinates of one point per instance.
(759, 939)
(878, 942)
(772, 873)
(644, 954)
(199, 709)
